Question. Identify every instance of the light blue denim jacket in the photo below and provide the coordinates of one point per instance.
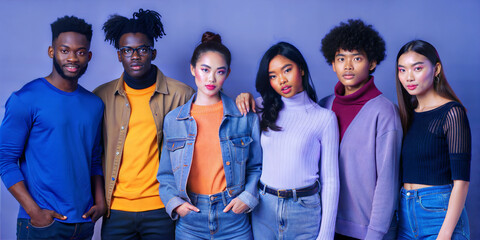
(241, 153)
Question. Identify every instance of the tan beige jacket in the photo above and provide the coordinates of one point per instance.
(169, 94)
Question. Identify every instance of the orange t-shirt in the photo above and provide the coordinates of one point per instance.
(206, 174)
(136, 189)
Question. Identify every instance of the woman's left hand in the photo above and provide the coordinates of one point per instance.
(237, 206)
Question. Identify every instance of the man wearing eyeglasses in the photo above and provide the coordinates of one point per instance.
(135, 105)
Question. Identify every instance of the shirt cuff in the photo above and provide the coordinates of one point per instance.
(373, 235)
(248, 199)
(171, 205)
(12, 177)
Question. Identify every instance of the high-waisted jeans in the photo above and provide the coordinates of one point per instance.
(286, 218)
(211, 222)
(422, 212)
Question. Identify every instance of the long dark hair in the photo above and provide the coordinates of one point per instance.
(272, 101)
(406, 102)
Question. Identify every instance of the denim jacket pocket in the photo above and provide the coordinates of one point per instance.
(175, 148)
(241, 148)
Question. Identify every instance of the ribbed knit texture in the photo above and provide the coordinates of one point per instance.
(347, 107)
(437, 147)
(136, 189)
(369, 163)
(291, 156)
(206, 174)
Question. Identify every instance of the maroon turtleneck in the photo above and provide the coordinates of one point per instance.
(347, 107)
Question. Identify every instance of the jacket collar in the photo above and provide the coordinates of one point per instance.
(160, 84)
(229, 107)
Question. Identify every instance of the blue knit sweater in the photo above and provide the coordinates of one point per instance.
(50, 139)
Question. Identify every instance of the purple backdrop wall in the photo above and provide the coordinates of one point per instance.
(248, 28)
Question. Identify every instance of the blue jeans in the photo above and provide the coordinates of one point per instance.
(422, 212)
(286, 218)
(211, 222)
(55, 230)
(154, 224)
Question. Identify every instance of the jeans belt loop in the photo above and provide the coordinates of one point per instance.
(224, 198)
(264, 187)
(319, 185)
(294, 193)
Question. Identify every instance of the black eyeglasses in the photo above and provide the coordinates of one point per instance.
(142, 50)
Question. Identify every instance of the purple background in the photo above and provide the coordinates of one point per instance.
(248, 28)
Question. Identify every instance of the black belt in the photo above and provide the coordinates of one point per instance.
(288, 193)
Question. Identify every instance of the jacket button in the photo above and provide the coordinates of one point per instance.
(122, 127)
(117, 153)
(228, 163)
(230, 192)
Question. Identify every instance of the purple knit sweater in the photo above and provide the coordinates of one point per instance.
(369, 169)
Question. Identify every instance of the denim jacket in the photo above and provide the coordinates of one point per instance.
(241, 154)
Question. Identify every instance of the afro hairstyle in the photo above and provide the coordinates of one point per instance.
(144, 21)
(354, 35)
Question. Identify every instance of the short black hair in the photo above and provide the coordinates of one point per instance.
(144, 21)
(71, 24)
(354, 35)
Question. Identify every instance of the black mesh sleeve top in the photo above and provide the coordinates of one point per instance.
(437, 147)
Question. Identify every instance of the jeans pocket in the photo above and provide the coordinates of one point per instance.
(312, 201)
(46, 232)
(190, 212)
(437, 202)
(43, 227)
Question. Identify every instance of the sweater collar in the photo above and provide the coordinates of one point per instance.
(361, 96)
(297, 101)
(141, 83)
(229, 107)
(160, 84)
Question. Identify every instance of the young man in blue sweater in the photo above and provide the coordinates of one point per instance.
(50, 143)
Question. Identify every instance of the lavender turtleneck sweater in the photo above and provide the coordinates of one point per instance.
(306, 149)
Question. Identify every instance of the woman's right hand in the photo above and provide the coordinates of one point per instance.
(244, 101)
(185, 208)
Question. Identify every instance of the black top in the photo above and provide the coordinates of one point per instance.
(437, 147)
(141, 83)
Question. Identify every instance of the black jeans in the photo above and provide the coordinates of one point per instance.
(154, 224)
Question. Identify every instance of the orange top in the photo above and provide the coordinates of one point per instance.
(136, 189)
(206, 174)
